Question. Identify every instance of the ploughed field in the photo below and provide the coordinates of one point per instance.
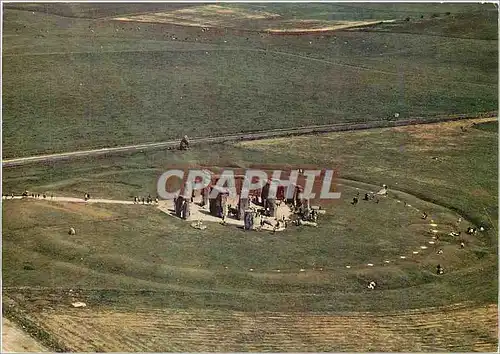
(458, 327)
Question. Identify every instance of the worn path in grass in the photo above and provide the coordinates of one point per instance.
(14, 340)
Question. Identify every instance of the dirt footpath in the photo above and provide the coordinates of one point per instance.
(15, 340)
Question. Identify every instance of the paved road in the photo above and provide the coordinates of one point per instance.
(238, 137)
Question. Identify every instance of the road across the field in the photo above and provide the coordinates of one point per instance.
(240, 137)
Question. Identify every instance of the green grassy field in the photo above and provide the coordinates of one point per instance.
(135, 257)
(119, 229)
(74, 83)
(488, 126)
(75, 79)
(129, 257)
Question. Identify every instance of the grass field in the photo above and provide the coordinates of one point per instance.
(73, 78)
(161, 246)
(488, 126)
(134, 257)
(80, 76)
(284, 10)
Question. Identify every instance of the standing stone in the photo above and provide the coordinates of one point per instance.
(186, 212)
(213, 206)
(306, 207)
(264, 194)
(271, 203)
(242, 207)
(179, 205)
(205, 193)
(223, 205)
(248, 219)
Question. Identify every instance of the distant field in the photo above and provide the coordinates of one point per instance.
(242, 17)
(285, 10)
(74, 83)
(203, 15)
(472, 25)
(93, 10)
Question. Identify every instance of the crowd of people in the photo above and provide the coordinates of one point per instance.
(27, 194)
(146, 200)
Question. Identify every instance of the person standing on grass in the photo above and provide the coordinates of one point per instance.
(439, 269)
